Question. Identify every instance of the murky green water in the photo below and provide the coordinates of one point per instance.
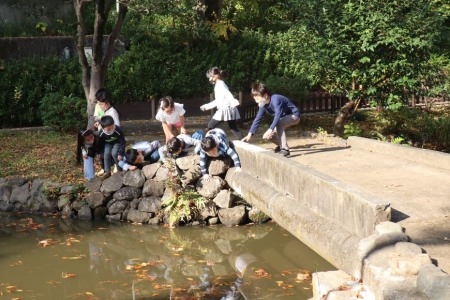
(55, 258)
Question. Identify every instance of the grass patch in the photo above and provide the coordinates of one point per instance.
(40, 154)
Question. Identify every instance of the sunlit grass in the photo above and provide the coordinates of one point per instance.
(39, 154)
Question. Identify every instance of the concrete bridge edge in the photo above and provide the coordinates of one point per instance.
(388, 269)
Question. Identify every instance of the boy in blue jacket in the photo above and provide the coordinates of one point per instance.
(284, 112)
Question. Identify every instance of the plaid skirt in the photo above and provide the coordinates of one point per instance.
(226, 114)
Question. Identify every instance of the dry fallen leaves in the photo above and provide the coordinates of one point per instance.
(68, 275)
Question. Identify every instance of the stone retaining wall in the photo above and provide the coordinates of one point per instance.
(136, 196)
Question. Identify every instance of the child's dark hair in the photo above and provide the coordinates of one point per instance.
(103, 95)
(216, 71)
(131, 155)
(260, 89)
(166, 102)
(106, 121)
(80, 142)
(208, 143)
(174, 145)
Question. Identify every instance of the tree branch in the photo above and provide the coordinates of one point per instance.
(123, 8)
(79, 6)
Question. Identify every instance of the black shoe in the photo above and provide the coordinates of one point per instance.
(277, 149)
(284, 152)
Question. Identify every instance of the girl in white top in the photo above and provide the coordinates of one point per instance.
(224, 101)
(171, 114)
(104, 102)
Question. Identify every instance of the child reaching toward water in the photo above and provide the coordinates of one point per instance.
(140, 154)
(178, 146)
(87, 148)
(215, 144)
(171, 114)
(112, 141)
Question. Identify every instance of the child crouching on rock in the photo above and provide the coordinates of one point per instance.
(112, 141)
(140, 154)
(178, 146)
(215, 144)
(87, 147)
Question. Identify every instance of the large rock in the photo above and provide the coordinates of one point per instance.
(224, 199)
(150, 170)
(168, 193)
(137, 216)
(257, 216)
(191, 175)
(118, 207)
(212, 187)
(94, 184)
(232, 216)
(96, 199)
(150, 204)
(5, 192)
(63, 201)
(209, 211)
(187, 162)
(219, 166)
(112, 184)
(163, 174)
(15, 182)
(100, 213)
(85, 213)
(127, 193)
(20, 194)
(40, 200)
(68, 188)
(134, 178)
(153, 188)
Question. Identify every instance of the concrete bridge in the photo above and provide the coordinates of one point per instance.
(377, 211)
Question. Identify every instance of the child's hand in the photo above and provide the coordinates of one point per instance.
(237, 170)
(268, 134)
(207, 177)
(96, 124)
(119, 157)
(85, 156)
(247, 138)
(202, 108)
(131, 168)
(183, 130)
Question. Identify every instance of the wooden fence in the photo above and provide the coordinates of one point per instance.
(313, 102)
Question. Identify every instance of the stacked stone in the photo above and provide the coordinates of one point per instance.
(136, 196)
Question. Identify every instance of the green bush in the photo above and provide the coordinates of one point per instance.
(63, 112)
(26, 81)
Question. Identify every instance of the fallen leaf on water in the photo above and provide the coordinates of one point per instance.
(303, 276)
(69, 241)
(73, 257)
(68, 275)
(53, 282)
(17, 263)
(102, 228)
(345, 288)
(279, 283)
(261, 273)
(11, 288)
(46, 242)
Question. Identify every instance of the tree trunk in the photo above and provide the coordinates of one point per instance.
(94, 75)
(344, 113)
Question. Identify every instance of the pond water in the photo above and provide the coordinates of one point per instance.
(59, 258)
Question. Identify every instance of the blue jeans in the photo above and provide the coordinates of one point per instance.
(110, 153)
(88, 168)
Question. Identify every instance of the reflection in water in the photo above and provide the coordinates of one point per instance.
(56, 258)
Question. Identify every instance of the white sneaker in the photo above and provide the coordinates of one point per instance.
(100, 173)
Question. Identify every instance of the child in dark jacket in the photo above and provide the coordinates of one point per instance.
(87, 148)
(112, 141)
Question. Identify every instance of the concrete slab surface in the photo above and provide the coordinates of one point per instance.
(419, 193)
